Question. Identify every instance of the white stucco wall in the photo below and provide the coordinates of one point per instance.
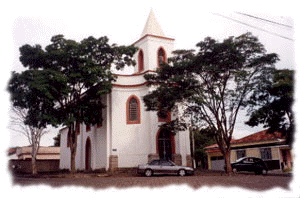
(64, 162)
(132, 143)
(129, 141)
(98, 138)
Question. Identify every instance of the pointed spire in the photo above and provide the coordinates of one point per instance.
(152, 27)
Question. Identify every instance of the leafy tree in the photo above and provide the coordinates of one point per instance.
(272, 105)
(214, 83)
(63, 84)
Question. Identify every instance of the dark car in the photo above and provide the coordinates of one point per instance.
(164, 167)
(249, 164)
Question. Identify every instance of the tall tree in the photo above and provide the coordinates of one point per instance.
(64, 83)
(214, 83)
(33, 134)
(272, 105)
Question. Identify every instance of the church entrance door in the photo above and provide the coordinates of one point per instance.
(88, 154)
(165, 145)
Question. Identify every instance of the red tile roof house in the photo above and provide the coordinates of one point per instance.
(271, 148)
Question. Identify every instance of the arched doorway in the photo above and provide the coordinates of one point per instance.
(165, 144)
(88, 154)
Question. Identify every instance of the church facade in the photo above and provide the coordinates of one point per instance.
(129, 135)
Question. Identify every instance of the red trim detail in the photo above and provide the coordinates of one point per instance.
(138, 121)
(130, 86)
(135, 74)
(155, 36)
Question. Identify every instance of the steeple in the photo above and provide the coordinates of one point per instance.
(152, 27)
(153, 45)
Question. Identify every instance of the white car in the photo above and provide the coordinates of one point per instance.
(164, 167)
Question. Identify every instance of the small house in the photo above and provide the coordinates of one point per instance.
(270, 147)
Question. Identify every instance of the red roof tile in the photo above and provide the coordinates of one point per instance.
(256, 137)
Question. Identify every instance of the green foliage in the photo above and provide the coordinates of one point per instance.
(272, 105)
(214, 83)
(64, 82)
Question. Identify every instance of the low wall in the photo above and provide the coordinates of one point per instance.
(24, 166)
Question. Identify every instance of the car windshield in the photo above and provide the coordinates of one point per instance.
(167, 163)
(172, 163)
(161, 162)
(241, 159)
(154, 162)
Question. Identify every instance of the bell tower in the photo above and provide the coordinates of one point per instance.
(154, 46)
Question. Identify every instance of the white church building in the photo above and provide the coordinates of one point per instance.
(129, 135)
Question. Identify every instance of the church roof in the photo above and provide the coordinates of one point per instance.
(152, 27)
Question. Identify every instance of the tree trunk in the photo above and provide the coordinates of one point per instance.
(73, 164)
(73, 146)
(227, 161)
(34, 166)
(34, 151)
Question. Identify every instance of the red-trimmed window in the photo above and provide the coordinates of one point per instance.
(133, 110)
(141, 61)
(161, 56)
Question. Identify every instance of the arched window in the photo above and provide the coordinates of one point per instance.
(161, 56)
(133, 110)
(141, 61)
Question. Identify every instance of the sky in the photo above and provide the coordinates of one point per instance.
(189, 22)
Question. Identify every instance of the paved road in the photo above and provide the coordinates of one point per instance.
(253, 182)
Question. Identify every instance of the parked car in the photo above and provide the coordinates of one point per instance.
(164, 167)
(249, 164)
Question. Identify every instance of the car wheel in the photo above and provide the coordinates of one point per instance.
(148, 173)
(181, 172)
